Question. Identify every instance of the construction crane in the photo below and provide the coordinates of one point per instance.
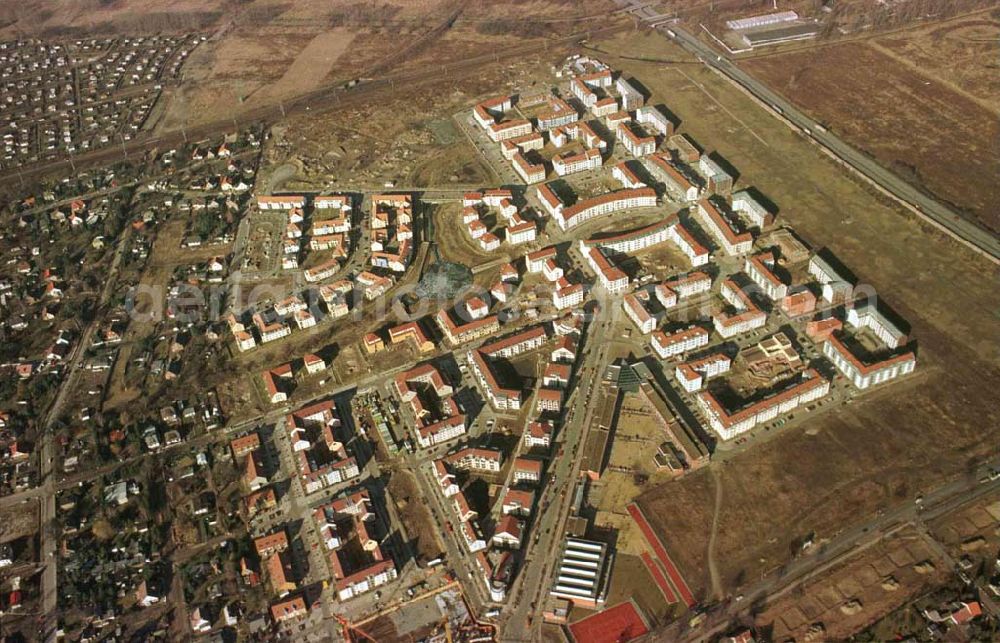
(346, 628)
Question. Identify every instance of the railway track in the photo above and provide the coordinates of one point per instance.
(327, 98)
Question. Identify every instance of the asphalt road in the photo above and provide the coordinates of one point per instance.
(933, 211)
(847, 543)
(522, 614)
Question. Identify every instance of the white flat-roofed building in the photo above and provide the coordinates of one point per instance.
(582, 572)
(679, 342)
(834, 285)
(697, 253)
(733, 242)
(728, 425)
(865, 375)
(762, 21)
(650, 115)
(760, 269)
(867, 315)
(632, 98)
(719, 182)
(745, 205)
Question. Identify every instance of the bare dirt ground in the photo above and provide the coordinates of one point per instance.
(937, 82)
(857, 593)
(891, 442)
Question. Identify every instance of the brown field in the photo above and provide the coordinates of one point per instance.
(264, 51)
(631, 579)
(972, 530)
(415, 515)
(860, 579)
(892, 441)
(932, 126)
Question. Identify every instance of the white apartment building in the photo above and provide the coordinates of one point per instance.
(522, 232)
(760, 270)
(732, 325)
(570, 163)
(636, 311)
(719, 182)
(567, 296)
(636, 240)
(690, 284)
(691, 375)
(635, 144)
(729, 425)
(674, 179)
(649, 115)
(626, 176)
(550, 202)
(610, 277)
(745, 205)
(835, 286)
(508, 129)
(587, 209)
(678, 342)
(867, 315)
(535, 261)
(733, 242)
(631, 97)
(529, 172)
(697, 253)
(865, 375)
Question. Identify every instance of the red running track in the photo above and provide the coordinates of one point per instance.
(658, 576)
(661, 553)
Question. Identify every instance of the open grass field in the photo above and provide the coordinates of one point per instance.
(927, 106)
(892, 441)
